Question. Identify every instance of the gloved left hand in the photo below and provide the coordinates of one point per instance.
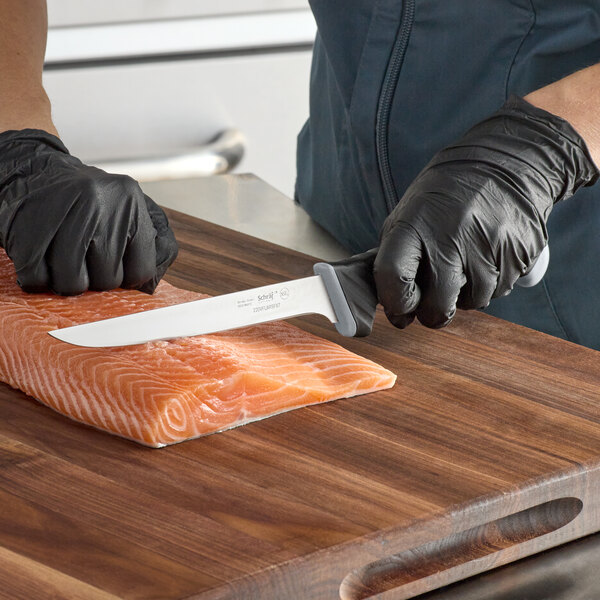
(69, 227)
(474, 220)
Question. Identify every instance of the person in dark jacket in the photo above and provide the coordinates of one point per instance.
(448, 133)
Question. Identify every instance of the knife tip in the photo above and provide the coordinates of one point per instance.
(58, 335)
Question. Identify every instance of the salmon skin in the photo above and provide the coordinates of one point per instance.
(165, 392)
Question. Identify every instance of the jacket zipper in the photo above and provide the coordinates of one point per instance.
(384, 106)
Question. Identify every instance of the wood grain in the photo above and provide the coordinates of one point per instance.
(487, 450)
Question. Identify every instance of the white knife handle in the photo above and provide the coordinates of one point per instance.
(352, 291)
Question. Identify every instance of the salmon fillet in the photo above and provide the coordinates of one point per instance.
(165, 392)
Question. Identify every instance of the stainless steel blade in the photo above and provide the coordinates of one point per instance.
(230, 311)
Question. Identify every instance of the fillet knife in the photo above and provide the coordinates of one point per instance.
(343, 291)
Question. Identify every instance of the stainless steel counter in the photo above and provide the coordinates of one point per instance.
(247, 204)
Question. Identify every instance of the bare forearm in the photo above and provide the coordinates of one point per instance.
(23, 30)
(576, 99)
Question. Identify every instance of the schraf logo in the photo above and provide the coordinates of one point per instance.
(263, 297)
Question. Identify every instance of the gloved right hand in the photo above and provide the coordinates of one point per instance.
(474, 220)
(69, 227)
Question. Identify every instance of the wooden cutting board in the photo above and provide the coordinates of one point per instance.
(486, 450)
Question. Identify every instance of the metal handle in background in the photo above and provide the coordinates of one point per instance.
(220, 155)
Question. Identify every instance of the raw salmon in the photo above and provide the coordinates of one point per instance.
(165, 392)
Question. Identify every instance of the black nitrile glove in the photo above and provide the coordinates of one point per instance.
(69, 227)
(474, 220)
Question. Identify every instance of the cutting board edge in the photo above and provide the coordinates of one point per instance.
(337, 572)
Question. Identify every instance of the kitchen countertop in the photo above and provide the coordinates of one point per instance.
(247, 204)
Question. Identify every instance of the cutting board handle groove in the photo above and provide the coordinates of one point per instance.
(430, 559)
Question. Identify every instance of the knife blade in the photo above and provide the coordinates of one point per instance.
(344, 292)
